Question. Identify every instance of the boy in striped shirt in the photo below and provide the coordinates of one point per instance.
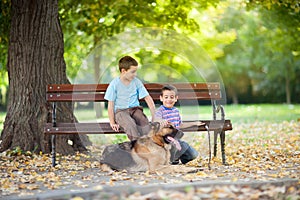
(167, 113)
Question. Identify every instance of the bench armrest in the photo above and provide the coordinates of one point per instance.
(217, 109)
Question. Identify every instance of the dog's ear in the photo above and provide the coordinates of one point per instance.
(170, 125)
(155, 126)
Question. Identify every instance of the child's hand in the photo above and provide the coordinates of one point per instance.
(115, 127)
(200, 123)
(164, 123)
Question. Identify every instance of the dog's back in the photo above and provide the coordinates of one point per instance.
(147, 153)
(118, 156)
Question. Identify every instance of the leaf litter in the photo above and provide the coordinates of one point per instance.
(257, 152)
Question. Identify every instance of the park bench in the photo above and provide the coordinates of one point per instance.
(210, 92)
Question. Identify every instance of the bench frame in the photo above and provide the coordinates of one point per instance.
(95, 93)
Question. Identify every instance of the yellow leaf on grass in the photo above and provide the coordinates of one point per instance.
(77, 198)
(87, 163)
(202, 174)
(77, 158)
(294, 138)
(273, 175)
(22, 186)
(72, 173)
(40, 178)
(234, 179)
(98, 187)
(33, 187)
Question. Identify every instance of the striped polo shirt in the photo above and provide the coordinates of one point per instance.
(170, 114)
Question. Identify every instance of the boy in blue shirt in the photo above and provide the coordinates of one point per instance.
(167, 113)
(123, 94)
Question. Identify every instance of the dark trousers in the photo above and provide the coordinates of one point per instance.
(186, 154)
(134, 122)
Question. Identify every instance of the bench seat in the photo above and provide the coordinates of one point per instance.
(187, 92)
(104, 127)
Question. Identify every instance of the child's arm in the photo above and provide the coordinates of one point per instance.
(151, 106)
(111, 116)
(190, 124)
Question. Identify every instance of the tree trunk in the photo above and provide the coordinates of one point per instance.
(287, 86)
(232, 92)
(98, 106)
(35, 59)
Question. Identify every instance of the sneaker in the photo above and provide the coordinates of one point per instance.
(175, 162)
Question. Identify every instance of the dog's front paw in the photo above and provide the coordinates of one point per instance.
(106, 168)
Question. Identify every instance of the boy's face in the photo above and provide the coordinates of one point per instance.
(168, 98)
(130, 74)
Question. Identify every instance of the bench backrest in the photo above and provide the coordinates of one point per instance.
(95, 92)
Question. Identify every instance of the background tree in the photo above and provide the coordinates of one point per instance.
(35, 59)
(258, 48)
(240, 67)
(91, 22)
(264, 58)
(251, 49)
(283, 53)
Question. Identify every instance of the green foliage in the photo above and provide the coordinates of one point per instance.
(4, 32)
(263, 113)
(247, 113)
(209, 37)
(283, 52)
(263, 60)
(291, 5)
(17, 151)
(254, 43)
(2, 116)
(89, 23)
(4, 37)
(119, 138)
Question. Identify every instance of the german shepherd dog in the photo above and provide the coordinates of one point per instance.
(148, 153)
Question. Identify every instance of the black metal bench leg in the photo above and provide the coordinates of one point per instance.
(209, 148)
(222, 137)
(53, 142)
(215, 142)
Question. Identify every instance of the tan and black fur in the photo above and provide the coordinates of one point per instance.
(148, 153)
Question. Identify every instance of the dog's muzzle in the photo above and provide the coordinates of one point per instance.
(170, 139)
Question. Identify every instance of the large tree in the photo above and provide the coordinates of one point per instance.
(35, 59)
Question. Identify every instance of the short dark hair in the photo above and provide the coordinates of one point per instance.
(126, 62)
(170, 88)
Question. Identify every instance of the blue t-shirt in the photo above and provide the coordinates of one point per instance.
(125, 96)
(170, 114)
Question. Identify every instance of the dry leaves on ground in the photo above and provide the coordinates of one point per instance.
(255, 152)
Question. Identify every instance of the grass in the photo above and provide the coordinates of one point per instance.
(237, 113)
(258, 149)
(263, 112)
(2, 117)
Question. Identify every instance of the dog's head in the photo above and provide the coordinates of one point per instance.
(166, 133)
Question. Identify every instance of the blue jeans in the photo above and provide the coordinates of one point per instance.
(185, 155)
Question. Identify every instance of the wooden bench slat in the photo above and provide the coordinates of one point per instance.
(83, 128)
(185, 86)
(75, 97)
(87, 97)
(77, 88)
(104, 127)
(149, 86)
(95, 93)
